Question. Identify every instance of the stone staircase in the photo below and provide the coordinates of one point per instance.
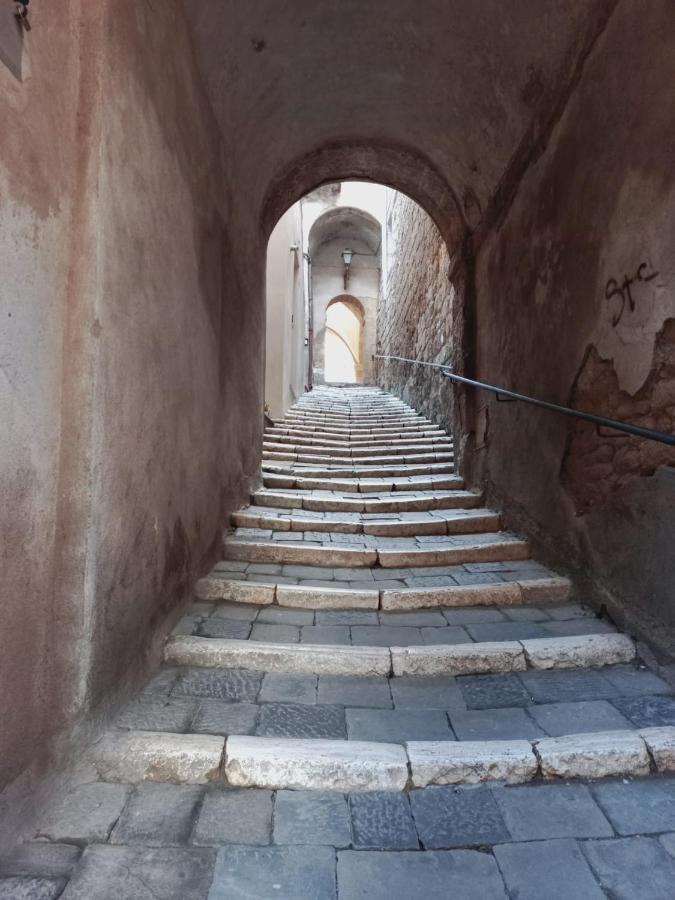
(372, 627)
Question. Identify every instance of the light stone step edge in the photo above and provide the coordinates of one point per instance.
(336, 555)
(509, 593)
(346, 766)
(425, 660)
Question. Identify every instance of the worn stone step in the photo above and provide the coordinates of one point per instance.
(320, 764)
(463, 522)
(339, 595)
(487, 657)
(499, 549)
(394, 459)
(368, 441)
(345, 433)
(386, 502)
(366, 485)
(348, 451)
(337, 470)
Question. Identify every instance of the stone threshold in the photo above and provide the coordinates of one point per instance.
(513, 593)
(489, 657)
(352, 766)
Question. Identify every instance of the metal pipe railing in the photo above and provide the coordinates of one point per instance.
(599, 421)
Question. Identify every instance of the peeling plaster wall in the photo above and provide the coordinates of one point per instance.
(597, 207)
(133, 370)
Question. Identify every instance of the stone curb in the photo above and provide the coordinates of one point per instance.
(508, 593)
(135, 756)
(317, 764)
(297, 554)
(424, 660)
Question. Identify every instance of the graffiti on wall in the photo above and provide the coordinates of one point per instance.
(620, 294)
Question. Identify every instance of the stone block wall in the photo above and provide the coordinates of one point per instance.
(417, 311)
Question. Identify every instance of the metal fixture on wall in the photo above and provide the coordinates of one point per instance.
(347, 255)
(21, 12)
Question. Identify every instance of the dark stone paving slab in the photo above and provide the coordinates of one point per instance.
(418, 692)
(643, 806)
(232, 684)
(633, 681)
(299, 721)
(494, 725)
(398, 725)
(276, 634)
(278, 615)
(281, 687)
(428, 618)
(632, 868)
(86, 815)
(234, 817)
(506, 631)
(536, 812)
(471, 616)
(158, 815)
(451, 634)
(577, 718)
(312, 817)
(567, 684)
(493, 691)
(386, 635)
(162, 683)
(464, 874)
(282, 873)
(158, 713)
(645, 712)
(347, 690)
(526, 614)
(571, 627)
(24, 887)
(382, 820)
(346, 617)
(325, 634)
(456, 817)
(141, 873)
(554, 870)
(41, 860)
(239, 612)
(233, 629)
(220, 717)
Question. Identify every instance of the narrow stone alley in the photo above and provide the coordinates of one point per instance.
(378, 693)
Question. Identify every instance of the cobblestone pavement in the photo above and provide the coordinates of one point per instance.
(561, 841)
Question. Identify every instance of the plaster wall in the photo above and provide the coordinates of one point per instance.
(597, 207)
(131, 370)
(285, 353)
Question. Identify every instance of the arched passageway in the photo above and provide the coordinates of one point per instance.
(343, 341)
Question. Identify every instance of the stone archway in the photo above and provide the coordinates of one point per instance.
(343, 340)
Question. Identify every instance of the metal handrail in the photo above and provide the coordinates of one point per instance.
(600, 421)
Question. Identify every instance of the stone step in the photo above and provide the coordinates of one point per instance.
(386, 502)
(354, 443)
(374, 461)
(346, 433)
(247, 761)
(317, 449)
(337, 470)
(489, 657)
(316, 593)
(496, 547)
(462, 522)
(366, 485)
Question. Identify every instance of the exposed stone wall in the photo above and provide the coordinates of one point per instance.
(134, 371)
(593, 217)
(416, 311)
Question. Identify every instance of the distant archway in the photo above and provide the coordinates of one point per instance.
(343, 340)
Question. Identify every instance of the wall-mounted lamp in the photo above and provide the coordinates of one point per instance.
(347, 255)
